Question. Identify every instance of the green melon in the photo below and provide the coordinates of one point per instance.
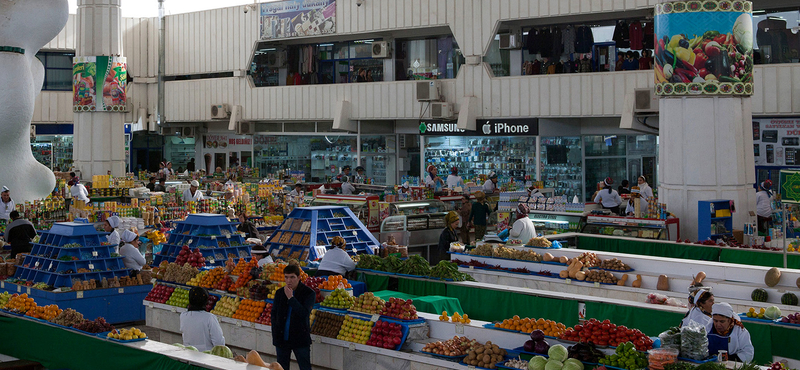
(759, 295)
(789, 299)
(222, 351)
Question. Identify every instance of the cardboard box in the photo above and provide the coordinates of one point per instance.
(739, 236)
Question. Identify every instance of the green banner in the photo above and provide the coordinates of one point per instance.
(790, 186)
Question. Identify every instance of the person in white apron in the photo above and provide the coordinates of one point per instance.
(110, 225)
(701, 302)
(523, 228)
(728, 334)
(193, 194)
(608, 197)
(6, 204)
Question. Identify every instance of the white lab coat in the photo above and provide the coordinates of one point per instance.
(133, 259)
(763, 204)
(697, 315)
(79, 192)
(201, 330)
(645, 192)
(739, 344)
(189, 197)
(429, 181)
(608, 200)
(114, 240)
(489, 187)
(454, 181)
(522, 229)
(6, 208)
(338, 261)
(348, 188)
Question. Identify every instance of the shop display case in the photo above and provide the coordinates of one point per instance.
(509, 157)
(644, 228)
(714, 219)
(551, 223)
(416, 224)
(364, 207)
(562, 166)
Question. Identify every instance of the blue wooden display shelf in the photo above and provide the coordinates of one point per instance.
(212, 234)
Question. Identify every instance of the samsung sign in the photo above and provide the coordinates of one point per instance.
(486, 127)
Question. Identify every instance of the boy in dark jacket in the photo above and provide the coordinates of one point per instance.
(290, 313)
(19, 234)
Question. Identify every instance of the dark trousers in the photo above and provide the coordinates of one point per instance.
(465, 235)
(480, 231)
(303, 356)
(764, 223)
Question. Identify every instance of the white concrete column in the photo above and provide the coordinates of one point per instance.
(706, 153)
(99, 143)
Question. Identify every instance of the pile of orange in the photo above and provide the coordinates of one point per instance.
(48, 312)
(20, 303)
(277, 273)
(211, 278)
(249, 310)
(333, 282)
(527, 325)
(244, 266)
(241, 281)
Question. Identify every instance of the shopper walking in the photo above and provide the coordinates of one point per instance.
(523, 228)
(479, 215)
(193, 194)
(454, 180)
(764, 206)
(161, 186)
(608, 197)
(110, 225)
(152, 184)
(448, 235)
(291, 331)
(132, 258)
(200, 329)
(19, 234)
(463, 214)
(6, 204)
(623, 188)
(336, 261)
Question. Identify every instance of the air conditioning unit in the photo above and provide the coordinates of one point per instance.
(187, 131)
(276, 59)
(220, 111)
(381, 49)
(428, 90)
(244, 128)
(441, 110)
(509, 41)
(645, 101)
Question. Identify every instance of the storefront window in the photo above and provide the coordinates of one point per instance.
(597, 169)
(599, 146)
(378, 158)
(561, 162)
(499, 60)
(509, 157)
(621, 157)
(179, 151)
(318, 157)
(777, 39)
(53, 151)
(428, 59)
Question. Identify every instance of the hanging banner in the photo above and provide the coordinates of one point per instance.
(112, 72)
(790, 186)
(296, 18)
(704, 47)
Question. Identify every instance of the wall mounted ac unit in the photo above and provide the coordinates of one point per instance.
(381, 49)
(244, 128)
(645, 101)
(187, 131)
(220, 111)
(428, 91)
(441, 110)
(509, 41)
(276, 59)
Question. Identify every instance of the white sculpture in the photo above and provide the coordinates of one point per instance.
(29, 25)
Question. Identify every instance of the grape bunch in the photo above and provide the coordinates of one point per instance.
(99, 325)
(68, 318)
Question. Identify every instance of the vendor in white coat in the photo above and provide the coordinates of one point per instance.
(132, 258)
(701, 302)
(193, 194)
(728, 334)
(523, 228)
(432, 179)
(347, 187)
(490, 186)
(110, 225)
(454, 180)
(336, 261)
(608, 197)
(764, 206)
(79, 192)
(6, 204)
(645, 191)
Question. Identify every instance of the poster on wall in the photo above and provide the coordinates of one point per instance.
(112, 75)
(704, 47)
(776, 141)
(296, 18)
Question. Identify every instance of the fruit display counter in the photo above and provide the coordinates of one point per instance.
(203, 239)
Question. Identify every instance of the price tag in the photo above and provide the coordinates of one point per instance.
(51, 266)
(375, 318)
(316, 339)
(211, 261)
(190, 241)
(121, 290)
(79, 294)
(569, 281)
(213, 237)
(596, 284)
(151, 304)
(28, 290)
(94, 253)
(19, 289)
(472, 267)
(91, 266)
(173, 309)
(355, 233)
(228, 236)
(239, 323)
(2, 285)
(352, 346)
(459, 328)
(36, 264)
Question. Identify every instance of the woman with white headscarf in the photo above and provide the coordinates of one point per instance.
(110, 225)
(523, 228)
(728, 334)
(133, 259)
(764, 206)
(701, 303)
(645, 191)
(6, 204)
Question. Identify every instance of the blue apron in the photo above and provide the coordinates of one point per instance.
(717, 342)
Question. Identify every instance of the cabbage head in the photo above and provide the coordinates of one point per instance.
(553, 365)
(558, 353)
(537, 363)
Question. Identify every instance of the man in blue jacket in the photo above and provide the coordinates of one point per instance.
(290, 314)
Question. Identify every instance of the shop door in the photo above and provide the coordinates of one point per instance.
(220, 160)
(247, 159)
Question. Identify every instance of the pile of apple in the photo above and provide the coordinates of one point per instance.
(339, 299)
(226, 306)
(224, 284)
(791, 319)
(314, 283)
(159, 294)
(607, 334)
(193, 258)
(179, 298)
(355, 330)
(386, 335)
(211, 302)
(368, 303)
(265, 318)
(400, 309)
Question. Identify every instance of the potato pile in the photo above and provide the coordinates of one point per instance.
(601, 276)
(540, 242)
(483, 250)
(589, 259)
(614, 264)
(487, 356)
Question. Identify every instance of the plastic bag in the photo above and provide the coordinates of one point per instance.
(694, 341)
(671, 338)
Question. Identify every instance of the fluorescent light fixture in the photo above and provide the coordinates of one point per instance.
(325, 44)
(411, 205)
(549, 221)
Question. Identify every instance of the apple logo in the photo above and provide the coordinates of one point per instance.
(487, 128)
